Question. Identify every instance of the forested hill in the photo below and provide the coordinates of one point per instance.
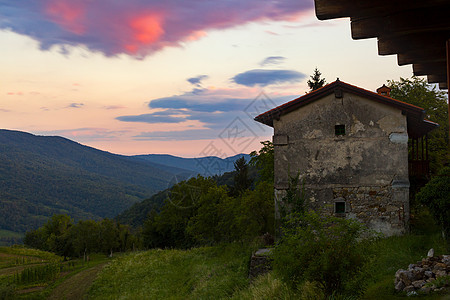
(41, 176)
(45, 175)
(206, 166)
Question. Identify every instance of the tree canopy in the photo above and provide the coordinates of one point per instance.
(418, 92)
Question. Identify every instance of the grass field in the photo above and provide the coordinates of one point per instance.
(200, 273)
(34, 274)
(219, 272)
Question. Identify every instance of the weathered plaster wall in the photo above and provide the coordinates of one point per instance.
(367, 167)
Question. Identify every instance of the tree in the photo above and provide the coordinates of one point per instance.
(205, 226)
(256, 214)
(418, 92)
(85, 238)
(57, 230)
(241, 180)
(436, 196)
(316, 82)
(263, 160)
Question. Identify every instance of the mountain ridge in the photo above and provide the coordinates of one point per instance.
(45, 175)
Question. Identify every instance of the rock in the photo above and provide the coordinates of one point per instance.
(407, 277)
(428, 274)
(409, 288)
(422, 275)
(418, 284)
(411, 293)
(446, 259)
(439, 266)
(440, 273)
(430, 253)
(399, 286)
(425, 289)
(264, 252)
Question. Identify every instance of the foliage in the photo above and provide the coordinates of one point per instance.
(435, 195)
(256, 215)
(316, 82)
(323, 250)
(136, 215)
(242, 182)
(294, 200)
(201, 213)
(418, 92)
(61, 236)
(263, 160)
(207, 225)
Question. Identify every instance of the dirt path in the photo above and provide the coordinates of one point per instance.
(76, 286)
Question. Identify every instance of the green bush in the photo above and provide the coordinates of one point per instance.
(327, 251)
(435, 195)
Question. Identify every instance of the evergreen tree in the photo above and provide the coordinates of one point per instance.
(316, 82)
(241, 178)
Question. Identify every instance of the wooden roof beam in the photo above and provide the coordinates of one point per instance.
(393, 44)
(443, 85)
(437, 78)
(430, 68)
(332, 9)
(421, 56)
(407, 21)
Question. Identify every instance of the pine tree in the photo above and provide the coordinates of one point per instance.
(316, 82)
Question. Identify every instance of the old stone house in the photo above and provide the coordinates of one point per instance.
(350, 147)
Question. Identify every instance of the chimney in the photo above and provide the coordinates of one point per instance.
(384, 91)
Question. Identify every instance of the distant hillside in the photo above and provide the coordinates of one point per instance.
(139, 212)
(41, 176)
(206, 166)
(45, 175)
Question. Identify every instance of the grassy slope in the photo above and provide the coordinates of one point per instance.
(221, 273)
(199, 273)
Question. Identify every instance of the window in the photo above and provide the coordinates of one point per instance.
(339, 207)
(339, 129)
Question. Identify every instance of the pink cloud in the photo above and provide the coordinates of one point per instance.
(137, 27)
(68, 14)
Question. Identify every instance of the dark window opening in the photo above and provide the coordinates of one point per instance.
(339, 129)
(339, 207)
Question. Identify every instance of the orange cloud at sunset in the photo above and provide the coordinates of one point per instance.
(146, 29)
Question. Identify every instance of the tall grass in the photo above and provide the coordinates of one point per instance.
(200, 273)
(221, 273)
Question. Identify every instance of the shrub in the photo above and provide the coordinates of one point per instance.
(327, 251)
(435, 195)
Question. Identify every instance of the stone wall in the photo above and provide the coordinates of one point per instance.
(367, 168)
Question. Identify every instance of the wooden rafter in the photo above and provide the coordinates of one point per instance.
(415, 30)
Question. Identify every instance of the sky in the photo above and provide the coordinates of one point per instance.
(180, 77)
